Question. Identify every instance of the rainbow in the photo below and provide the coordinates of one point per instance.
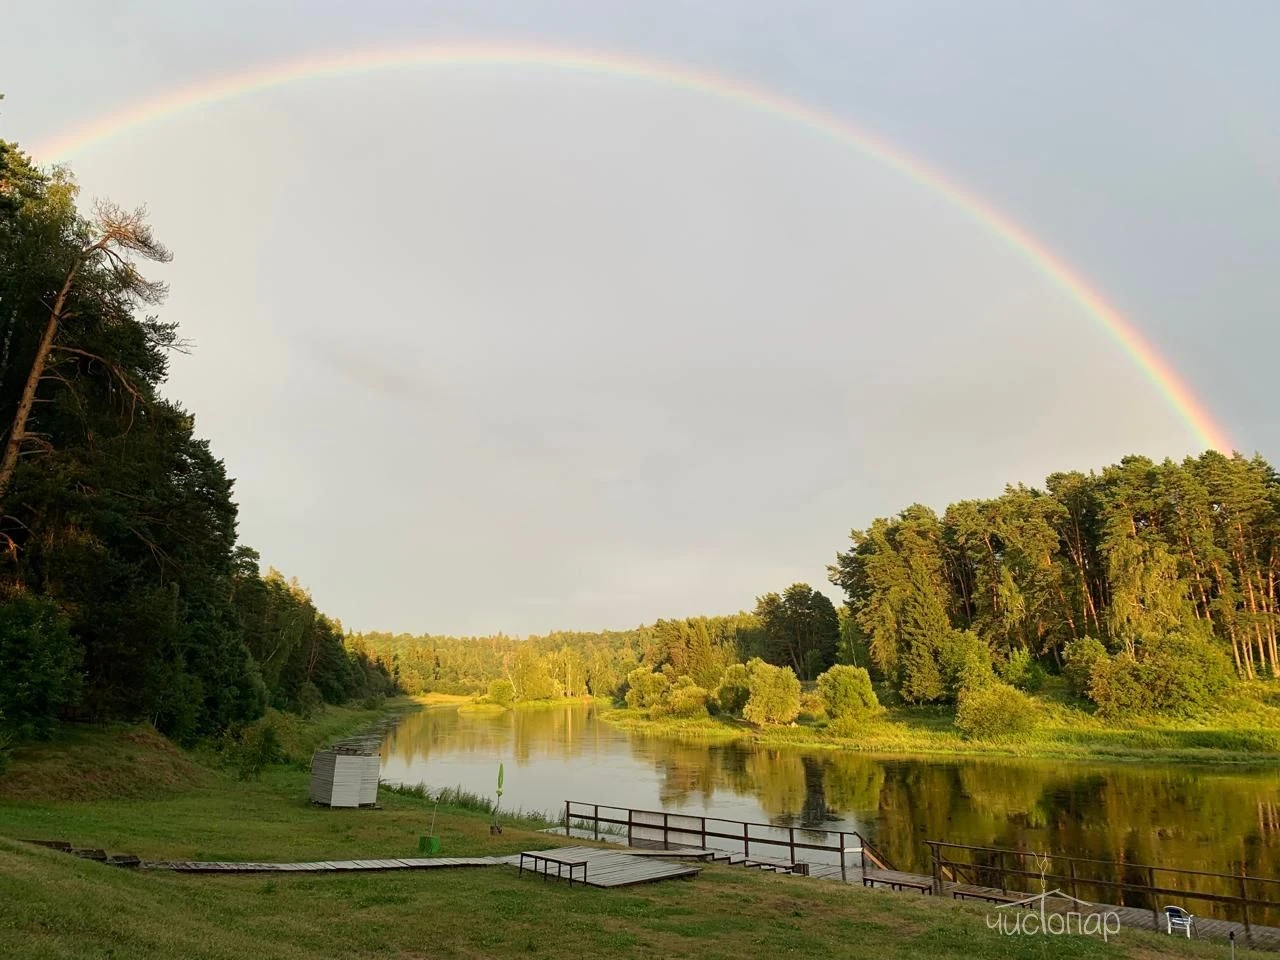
(242, 83)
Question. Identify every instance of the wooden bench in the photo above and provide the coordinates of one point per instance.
(561, 860)
(896, 880)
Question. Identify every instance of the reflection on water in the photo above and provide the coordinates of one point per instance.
(1175, 815)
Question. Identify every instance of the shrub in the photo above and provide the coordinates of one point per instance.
(1179, 674)
(846, 692)
(965, 662)
(308, 701)
(812, 706)
(734, 689)
(39, 665)
(256, 747)
(775, 693)
(686, 701)
(372, 702)
(645, 688)
(502, 692)
(847, 727)
(1021, 670)
(1079, 658)
(995, 711)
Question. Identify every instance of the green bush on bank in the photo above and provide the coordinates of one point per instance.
(1178, 675)
(250, 749)
(684, 700)
(847, 692)
(995, 711)
(734, 689)
(775, 693)
(502, 692)
(645, 688)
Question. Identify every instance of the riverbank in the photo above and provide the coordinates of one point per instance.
(1245, 735)
(53, 905)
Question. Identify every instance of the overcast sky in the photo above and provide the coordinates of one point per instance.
(512, 348)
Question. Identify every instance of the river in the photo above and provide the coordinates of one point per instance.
(1177, 815)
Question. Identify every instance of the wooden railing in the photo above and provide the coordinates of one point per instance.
(983, 864)
(684, 830)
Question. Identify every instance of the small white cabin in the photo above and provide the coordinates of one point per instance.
(342, 777)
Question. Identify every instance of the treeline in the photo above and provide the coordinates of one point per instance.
(563, 663)
(683, 668)
(123, 592)
(1149, 586)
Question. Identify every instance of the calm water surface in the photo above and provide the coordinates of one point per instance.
(1208, 818)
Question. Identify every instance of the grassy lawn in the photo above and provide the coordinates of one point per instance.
(56, 906)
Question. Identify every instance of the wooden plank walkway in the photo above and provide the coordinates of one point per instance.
(605, 868)
(322, 866)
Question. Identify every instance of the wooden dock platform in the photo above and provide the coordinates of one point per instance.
(613, 868)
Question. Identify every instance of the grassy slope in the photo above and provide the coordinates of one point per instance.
(55, 906)
(1248, 731)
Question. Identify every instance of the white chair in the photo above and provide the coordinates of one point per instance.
(1176, 918)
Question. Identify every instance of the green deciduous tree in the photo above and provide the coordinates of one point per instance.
(775, 693)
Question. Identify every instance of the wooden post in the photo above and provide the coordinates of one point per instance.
(566, 818)
(1000, 868)
(630, 817)
(597, 816)
(666, 843)
(1071, 863)
(844, 873)
(1151, 892)
(704, 833)
(1244, 902)
(746, 839)
(791, 835)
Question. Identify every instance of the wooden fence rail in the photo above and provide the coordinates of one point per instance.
(688, 830)
(985, 863)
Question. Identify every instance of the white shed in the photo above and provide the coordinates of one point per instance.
(342, 777)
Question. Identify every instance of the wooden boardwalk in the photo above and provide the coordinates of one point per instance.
(605, 868)
(323, 866)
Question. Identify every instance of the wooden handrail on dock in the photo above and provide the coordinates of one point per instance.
(697, 830)
(997, 862)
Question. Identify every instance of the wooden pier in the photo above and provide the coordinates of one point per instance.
(606, 868)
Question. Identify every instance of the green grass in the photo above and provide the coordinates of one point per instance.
(56, 906)
(1246, 731)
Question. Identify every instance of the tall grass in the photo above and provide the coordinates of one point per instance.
(458, 798)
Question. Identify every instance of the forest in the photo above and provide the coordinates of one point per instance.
(1147, 587)
(124, 593)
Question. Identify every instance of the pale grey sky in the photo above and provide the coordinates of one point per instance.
(517, 348)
